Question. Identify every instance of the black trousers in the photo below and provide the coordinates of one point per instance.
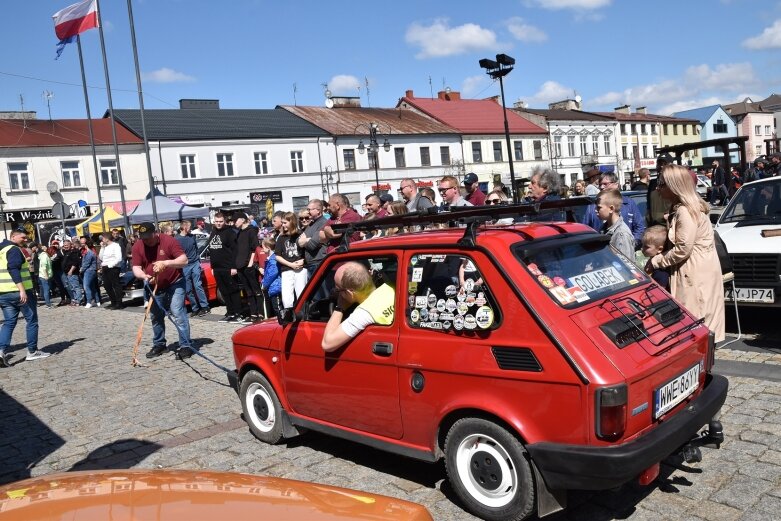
(249, 279)
(112, 285)
(229, 290)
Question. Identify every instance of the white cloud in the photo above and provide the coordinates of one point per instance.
(549, 92)
(582, 5)
(166, 75)
(439, 39)
(769, 39)
(473, 84)
(344, 84)
(525, 32)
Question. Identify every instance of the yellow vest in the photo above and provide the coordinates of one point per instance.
(7, 285)
(381, 304)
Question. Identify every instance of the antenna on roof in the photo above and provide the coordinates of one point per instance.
(48, 96)
(431, 87)
(295, 89)
(368, 97)
(24, 117)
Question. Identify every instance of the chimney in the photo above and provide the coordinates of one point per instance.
(623, 109)
(199, 104)
(641, 110)
(346, 102)
(567, 104)
(409, 94)
(448, 95)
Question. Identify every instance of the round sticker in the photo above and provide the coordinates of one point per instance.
(415, 315)
(559, 281)
(451, 305)
(441, 305)
(451, 291)
(412, 301)
(432, 300)
(534, 270)
(545, 281)
(458, 323)
(484, 317)
(412, 286)
(424, 314)
(462, 308)
(469, 285)
(480, 300)
(471, 299)
(446, 325)
(461, 295)
(433, 316)
(470, 322)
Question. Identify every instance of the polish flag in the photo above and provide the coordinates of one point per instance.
(76, 19)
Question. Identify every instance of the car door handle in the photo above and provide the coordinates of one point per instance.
(382, 348)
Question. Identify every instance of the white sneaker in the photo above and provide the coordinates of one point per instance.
(97, 304)
(36, 355)
(87, 305)
(4, 360)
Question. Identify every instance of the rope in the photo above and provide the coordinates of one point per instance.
(140, 333)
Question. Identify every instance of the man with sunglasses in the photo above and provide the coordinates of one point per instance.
(416, 202)
(314, 250)
(630, 213)
(451, 195)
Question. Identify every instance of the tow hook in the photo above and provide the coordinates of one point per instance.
(712, 437)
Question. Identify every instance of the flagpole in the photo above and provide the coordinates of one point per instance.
(91, 136)
(150, 179)
(113, 120)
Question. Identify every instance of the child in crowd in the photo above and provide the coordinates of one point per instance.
(290, 257)
(608, 208)
(272, 282)
(654, 240)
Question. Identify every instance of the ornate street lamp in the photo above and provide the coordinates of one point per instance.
(497, 70)
(374, 147)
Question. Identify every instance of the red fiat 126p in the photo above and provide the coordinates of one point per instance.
(533, 357)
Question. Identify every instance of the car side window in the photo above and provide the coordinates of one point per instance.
(447, 292)
(322, 300)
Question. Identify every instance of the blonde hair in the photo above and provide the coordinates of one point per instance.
(498, 193)
(679, 182)
(655, 235)
(611, 198)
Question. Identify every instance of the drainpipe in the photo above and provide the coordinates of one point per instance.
(162, 172)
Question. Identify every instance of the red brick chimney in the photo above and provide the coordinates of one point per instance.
(448, 95)
(409, 94)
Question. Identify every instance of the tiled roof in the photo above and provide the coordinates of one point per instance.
(771, 101)
(197, 124)
(342, 121)
(567, 115)
(743, 107)
(471, 116)
(701, 114)
(17, 133)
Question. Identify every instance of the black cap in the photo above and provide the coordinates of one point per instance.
(146, 230)
(470, 178)
(386, 198)
(239, 215)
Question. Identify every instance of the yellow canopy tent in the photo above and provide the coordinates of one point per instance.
(93, 224)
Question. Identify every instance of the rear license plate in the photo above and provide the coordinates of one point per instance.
(675, 391)
(760, 295)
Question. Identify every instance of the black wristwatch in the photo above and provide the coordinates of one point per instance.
(339, 309)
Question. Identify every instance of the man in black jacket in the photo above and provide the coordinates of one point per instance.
(246, 244)
(719, 182)
(222, 253)
(71, 262)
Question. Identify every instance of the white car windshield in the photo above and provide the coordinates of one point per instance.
(755, 203)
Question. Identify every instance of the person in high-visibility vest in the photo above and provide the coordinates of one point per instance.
(16, 294)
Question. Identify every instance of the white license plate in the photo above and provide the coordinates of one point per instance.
(762, 295)
(675, 391)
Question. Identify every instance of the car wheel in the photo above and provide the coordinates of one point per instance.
(261, 407)
(489, 470)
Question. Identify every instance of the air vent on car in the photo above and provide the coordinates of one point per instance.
(666, 312)
(516, 359)
(624, 330)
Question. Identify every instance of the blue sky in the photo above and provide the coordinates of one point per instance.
(667, 55)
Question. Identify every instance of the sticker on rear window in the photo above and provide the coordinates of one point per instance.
(597, 280)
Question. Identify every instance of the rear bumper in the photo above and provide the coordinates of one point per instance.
(599, 468)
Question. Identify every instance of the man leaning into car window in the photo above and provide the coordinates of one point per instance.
(354, 285)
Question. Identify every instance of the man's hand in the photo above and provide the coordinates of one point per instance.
(23, 296)
(159, 266)
(233, 271)
(302, 240)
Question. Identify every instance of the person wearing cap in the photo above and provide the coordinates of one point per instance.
(474, 195)
(451, 195)
(385, 202)
(756, 171)
(774, 168)
(592, 181)
(158, 259)
(416, 202)
(246, 244)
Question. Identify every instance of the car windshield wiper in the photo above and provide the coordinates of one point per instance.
(756, 219)
(738, 216)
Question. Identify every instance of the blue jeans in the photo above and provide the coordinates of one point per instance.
(173, 300)
(74, 287)
(45, 292)
(11, 306)
(90, 283)
(192, 277)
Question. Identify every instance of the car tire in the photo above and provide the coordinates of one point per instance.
(489, 470)
(262, 410)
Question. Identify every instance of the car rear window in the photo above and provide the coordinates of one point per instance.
(579, 270)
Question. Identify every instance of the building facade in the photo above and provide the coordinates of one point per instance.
(680, 131)
(715, 124)
(754, 122)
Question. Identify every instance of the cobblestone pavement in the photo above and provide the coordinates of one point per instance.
(85, 407)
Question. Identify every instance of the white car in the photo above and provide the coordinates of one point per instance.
(750, 227)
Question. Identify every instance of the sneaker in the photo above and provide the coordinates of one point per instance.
(194, 314)
(87, 305)
(36, 355)
(156, 351)
(256, 318)
(4, 360)
(184, 352)
(97, 304)
(204, 311)
(229, 318)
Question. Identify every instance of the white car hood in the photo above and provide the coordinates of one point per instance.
(748, 239)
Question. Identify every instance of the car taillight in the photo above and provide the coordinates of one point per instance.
(710, 354)
(611, 412)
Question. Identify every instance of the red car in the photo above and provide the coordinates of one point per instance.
(532, 357)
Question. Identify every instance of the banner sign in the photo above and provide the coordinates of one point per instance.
(260, 197)
(42, 214)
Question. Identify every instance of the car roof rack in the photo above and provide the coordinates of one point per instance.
(469, 216)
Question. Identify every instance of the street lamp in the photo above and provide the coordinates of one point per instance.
(2, 215)
(374, 148)
(497, 70)
(326, 179)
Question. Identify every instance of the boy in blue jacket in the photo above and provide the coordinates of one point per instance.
(272, 282)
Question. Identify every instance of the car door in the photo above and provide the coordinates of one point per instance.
(355, 386)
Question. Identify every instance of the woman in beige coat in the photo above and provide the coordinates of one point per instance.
(695, 271)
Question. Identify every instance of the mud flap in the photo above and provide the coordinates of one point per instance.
(548, 501)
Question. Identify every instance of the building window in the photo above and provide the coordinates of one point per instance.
(675, 130)
(666, 129)
(444, 155)
(349, 158)
(425, 156)
(767, 130)
(642, 128)
(645, 151)
(71, 177)
(497, 146)
(719, 127)
(374, 162)
(518, 148)
(261, 163)
(653, 129)
(300, 202)
(624, 152)
(18, 176)
(623, 128)
(686, 130)
(297, 161)
(757, 130)
(108, 172)
(225, 165)
(695, 153)
(537, 149)
(583, 146)
(759, 150)
(607, 145)
(634, 128)
(477, 153)
(570, 146)
(187, 164)
(595, 145)
(557, 146)
(399, 153)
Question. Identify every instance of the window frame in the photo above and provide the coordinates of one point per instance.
(225, 164)
(606, 143)
(22, 176)
(477, 152)
(425, 156)
(297, 162)
(110, 171)
(537, 146)
(348, 158)
(67, 174)
(518, 149)
(260, 160)
(570, 146)
(190, 166)
(399, 157)
(444, 155)
(497, 149)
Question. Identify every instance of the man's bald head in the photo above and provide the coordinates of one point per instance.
(354, 277)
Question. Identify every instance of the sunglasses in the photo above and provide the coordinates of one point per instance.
(493, 201)
(444, 190)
